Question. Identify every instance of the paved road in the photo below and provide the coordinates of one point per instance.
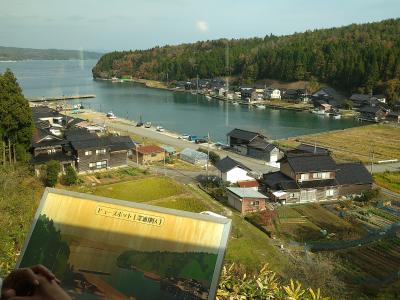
(379, 168)
(256, 165)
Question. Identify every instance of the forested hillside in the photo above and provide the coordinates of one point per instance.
(13, 53)
(353, 58)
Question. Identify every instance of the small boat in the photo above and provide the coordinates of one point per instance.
(208, 97)
(259, 106)
(235, 103)
(115, 79)
(318, 112)
(337, 116)
(111, 115)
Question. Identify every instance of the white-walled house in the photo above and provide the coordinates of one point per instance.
(233, 171)
(271, 93)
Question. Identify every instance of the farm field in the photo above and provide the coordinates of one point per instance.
(138, 190)
(355, 144)
(375, 263)
(388, 180)
(304, 223)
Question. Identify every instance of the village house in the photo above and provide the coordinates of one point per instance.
(309, 174)
(246, 200)
(360, 100)
(372, 113)
(393, 116)
(253, 184)
(254, 145)
(75, 146)
(272, 93)
(46, 147)
(148, 154)
(291, 94)
(101, 152)
(248, 94)
(232, 171)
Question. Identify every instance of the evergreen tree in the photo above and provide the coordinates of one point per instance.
(15, 115)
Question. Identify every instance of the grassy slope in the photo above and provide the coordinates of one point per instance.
(388, 180)
(19, 197)
(355, 144)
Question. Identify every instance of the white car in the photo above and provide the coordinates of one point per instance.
(147, 124)
(160, 128)
(184, 136)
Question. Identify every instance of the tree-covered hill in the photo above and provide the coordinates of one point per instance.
(356, 57)
(13, 53)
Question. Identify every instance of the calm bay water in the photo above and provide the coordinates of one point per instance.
(180, 112)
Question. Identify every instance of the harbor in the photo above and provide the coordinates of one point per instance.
(179, 112)
(59, 98)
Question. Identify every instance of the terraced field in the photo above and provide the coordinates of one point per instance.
(304, 223)
(375, 263)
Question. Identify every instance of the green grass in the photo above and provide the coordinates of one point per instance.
(141, 190)
(286, 212)
(192, 204)
(388, 180)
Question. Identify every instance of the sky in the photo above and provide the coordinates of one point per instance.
(130, 24)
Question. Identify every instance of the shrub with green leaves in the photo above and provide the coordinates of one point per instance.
(53, 168)
(70, 177)
(234, 285)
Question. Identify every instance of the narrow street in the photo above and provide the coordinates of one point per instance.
(256, 165)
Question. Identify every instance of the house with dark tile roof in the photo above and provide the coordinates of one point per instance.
(232, 171)
(104, 152)
(254, 145)
(306, 176)
(75, 146)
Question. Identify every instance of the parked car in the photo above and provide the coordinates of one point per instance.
(184, 136)
(147, 124)
(192, 138)
(160, 128)
(200, 140)
(139, 124)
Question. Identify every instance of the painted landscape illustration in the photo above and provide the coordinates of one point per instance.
(106, 251)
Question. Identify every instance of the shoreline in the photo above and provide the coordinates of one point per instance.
(154, 84)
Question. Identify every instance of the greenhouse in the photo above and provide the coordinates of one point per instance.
(194, 157)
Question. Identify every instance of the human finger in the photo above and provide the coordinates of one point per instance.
(28, 275)
(8, 293)
(26, 298)
(42, 270)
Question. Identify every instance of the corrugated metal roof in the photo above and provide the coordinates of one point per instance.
(246, 192)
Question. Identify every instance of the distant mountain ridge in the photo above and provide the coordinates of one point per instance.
(360, 58)
(15, 53)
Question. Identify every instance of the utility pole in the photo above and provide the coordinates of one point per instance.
(372, 159)
(137, 154)
(165, 172)
(208, 155)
